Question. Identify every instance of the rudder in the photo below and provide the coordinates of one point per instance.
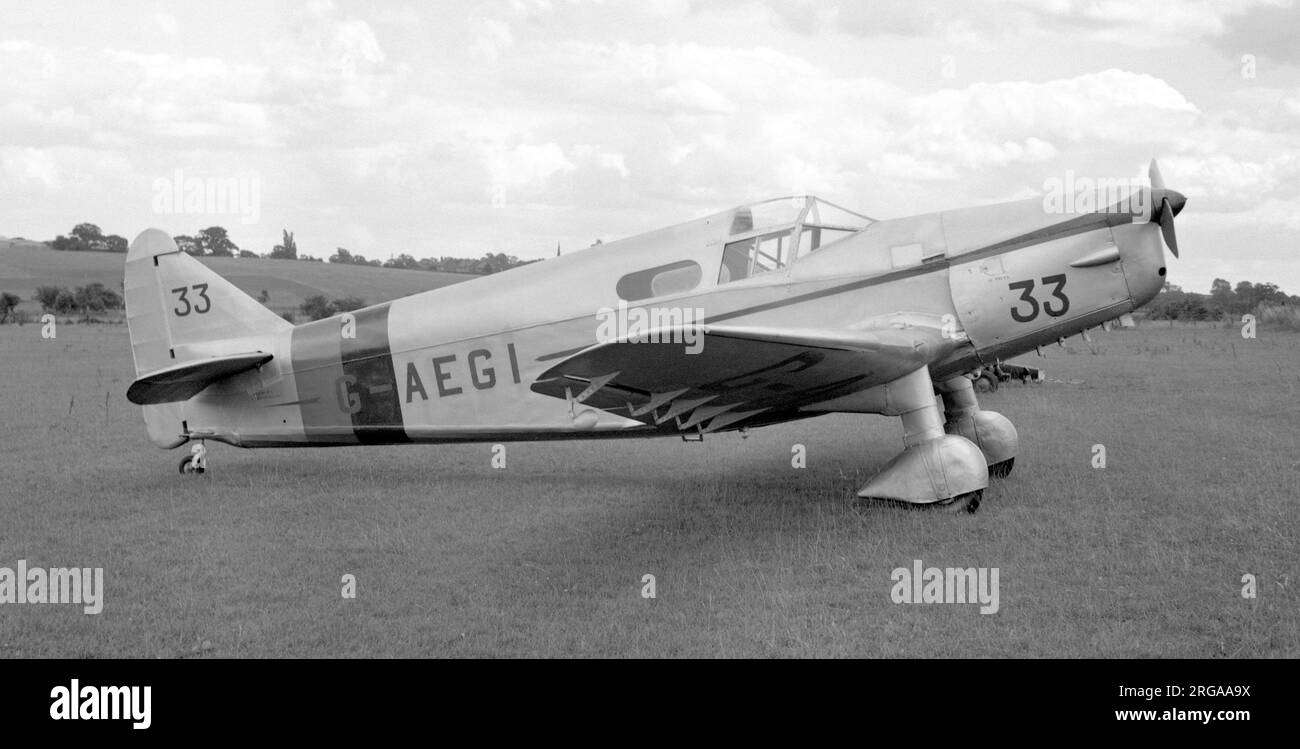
(179, 310)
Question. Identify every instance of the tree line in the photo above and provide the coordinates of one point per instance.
(93, 297)
(215, 241)
(1224, 300)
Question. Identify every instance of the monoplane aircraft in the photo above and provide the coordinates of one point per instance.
(766, 313)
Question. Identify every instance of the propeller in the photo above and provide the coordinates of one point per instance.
(1170, 203)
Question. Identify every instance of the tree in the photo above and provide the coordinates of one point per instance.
(7, 303)
(85, 237)
(1221, 297)
(65, 302)
(189, 245)
(95, 297)
(347, 304)
(216, 242)
(287, 249)
(1269, 293)
(1168, 304)
(87, 233)
(316, 307)
(66, 243)
(47, 296)
(1245, 297)
(347, 258)
(402, 261)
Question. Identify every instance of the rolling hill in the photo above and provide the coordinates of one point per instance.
(26, 265)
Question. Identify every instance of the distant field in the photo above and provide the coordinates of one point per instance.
(752, 557)
(24, 266)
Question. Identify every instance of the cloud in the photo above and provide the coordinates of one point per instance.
(28, 167)
(1267, 31)
(700, 123)
(329, 62)
(1153, 24)
(166, 23)
(526, 164)
(491, 36)
(518, 119)
(693, 96)
(65, 170)
(1230, 182)
(20, 46)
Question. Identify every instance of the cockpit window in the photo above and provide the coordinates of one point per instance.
(760, 254)
(770, 235)
(817, 237)
(662, 280)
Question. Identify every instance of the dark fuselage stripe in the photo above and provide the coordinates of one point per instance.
(346, 389)
(368, 372)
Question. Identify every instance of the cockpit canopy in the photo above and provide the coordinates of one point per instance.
(772, 234)
(761, 237)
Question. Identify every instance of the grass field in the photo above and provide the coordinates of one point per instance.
(751, 556)
(25, 265)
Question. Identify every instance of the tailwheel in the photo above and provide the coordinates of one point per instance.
(1002, 469)
(197, 460)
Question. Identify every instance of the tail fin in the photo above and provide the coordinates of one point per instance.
(179, 311)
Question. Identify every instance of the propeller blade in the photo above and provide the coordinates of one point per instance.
(1157, 181)
(1167, 226)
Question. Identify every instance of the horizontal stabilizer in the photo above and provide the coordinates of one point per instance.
(184, 381)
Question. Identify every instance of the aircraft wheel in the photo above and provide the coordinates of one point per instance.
(970, 502)
(985, 383)
(1001, 470)
(187, 465)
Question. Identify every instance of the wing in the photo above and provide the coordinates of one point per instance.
(740, 375)
(184, 381)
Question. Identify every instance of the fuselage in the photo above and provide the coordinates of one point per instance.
(457, 363)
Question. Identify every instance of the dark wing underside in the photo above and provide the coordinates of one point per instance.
(739, 375)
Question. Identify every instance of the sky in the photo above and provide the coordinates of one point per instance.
(454, 128)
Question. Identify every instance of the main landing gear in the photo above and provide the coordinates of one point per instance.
(196, 461)
(944, 463)
(992, 432)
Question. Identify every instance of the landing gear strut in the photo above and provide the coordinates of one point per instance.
(196, 461)
(935, 468)
(991, 431)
